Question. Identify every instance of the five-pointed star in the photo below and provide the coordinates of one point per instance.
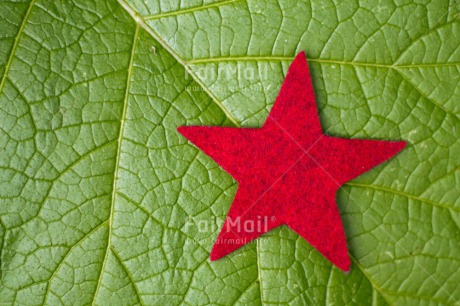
(288, 171)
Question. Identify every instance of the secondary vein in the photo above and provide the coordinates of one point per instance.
(117, 159)
(15, 45)
(189, 10)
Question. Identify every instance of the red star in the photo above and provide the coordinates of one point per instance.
(288, 171)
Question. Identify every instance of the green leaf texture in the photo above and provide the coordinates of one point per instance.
(97, 189)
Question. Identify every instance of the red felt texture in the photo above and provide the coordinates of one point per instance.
(288, 171)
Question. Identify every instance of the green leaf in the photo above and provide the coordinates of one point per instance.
(103, 202)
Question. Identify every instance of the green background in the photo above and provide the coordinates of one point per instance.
(97, 187)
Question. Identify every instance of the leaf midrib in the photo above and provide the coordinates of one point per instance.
(141, 22)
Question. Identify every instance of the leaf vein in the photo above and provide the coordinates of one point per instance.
(117, 160)
(15, 45)
(404, 194)
(190, 10)
(117, 256)
(141, 22)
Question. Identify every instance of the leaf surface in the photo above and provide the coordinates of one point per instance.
(103, 202)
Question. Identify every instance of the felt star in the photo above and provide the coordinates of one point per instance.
(288, 171)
